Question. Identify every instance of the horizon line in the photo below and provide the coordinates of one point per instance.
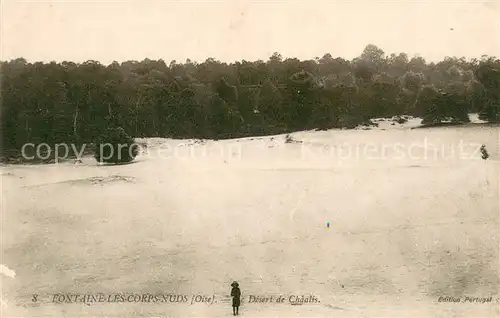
(284, 58)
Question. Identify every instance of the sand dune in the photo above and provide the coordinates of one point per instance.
(407, 226)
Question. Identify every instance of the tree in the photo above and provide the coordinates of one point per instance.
(302, 90)
(75, 102)
(446, 107)
(227, 92)
(114, 145)
(489, 77)
(373, 56)
(269, 103)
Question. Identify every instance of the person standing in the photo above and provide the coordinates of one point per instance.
(235, 294)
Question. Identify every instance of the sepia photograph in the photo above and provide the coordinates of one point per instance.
(250, 158)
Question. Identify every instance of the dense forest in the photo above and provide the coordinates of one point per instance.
(71, 103)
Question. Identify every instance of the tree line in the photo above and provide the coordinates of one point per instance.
(72, 103)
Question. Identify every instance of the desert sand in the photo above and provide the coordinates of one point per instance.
(407, 225)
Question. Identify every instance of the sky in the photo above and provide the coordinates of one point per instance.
(105, 31)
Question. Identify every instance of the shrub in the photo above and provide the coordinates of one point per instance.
(446, 107)
(114, 145)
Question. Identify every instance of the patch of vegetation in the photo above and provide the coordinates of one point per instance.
(114, 145)
(73, 103)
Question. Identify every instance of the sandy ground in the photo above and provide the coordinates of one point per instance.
(409, 224)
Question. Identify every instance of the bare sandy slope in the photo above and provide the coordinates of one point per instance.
(404, 230)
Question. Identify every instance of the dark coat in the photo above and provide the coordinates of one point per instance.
(236, 294)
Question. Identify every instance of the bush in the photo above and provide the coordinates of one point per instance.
(446, 107)
(114, 145)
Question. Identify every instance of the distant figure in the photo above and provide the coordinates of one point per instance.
(235, 294)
